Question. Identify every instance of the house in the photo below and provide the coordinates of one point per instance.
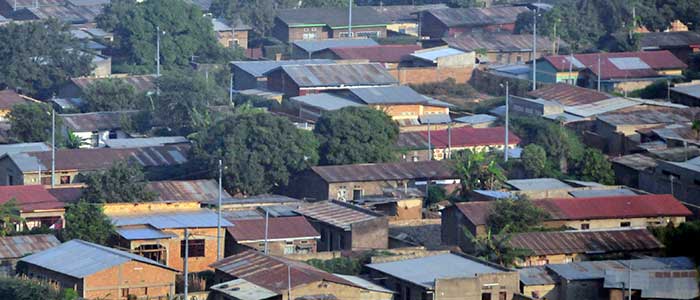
(629, 167)
(35, 167)
(233, 34)
(155, 141)
(95, 128)
(300, 80)
(682, 178)
(270, 277)
(652, 284)
(503, 49)
(12, 248)
(8, 99)
(397, 204)
(418, 146)
(435, 64)
(619, 71)
(353, 182)
(316, 23)
(76, 87)
(453, 22)
(446, 276)
(390, 56)
(23, 147)
(686, 93)
(403, 19)
(156, 230)
(441, 57)
(592, 213)
(253, 202)
(557, 247)
(344, 226)
(538, 282)
(681, 43)
(251, 74)
(279, 235)
(401, 103)
(201, 190)
(99, 272)
(66, 12)
(38, 208)
(308, 49)
(621, 131)
(477, 120)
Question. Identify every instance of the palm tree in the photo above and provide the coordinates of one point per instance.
(496, 248)
(477, 170)
(9, 216)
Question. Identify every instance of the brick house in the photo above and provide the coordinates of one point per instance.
(98, 272)
(38, 207)
(308, 49)
(231, 34)
(390, 56)
(682, 44)
(403, 19)
(317, 23)
(156, 230)
(95, 128)
(285, 235)
(503, 49)
(251, 74)
(344, 226)
(453, 22)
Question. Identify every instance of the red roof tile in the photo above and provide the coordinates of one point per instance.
(656, 60)
(9, 98)
(270, 272)
(30, 197)
(380, 53)
(599, 242)
(470, 137)
(570, 95)
(278, 228)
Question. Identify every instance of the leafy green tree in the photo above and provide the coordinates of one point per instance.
(477, 171)
(356, 135)
(31, 122)
(465, 3)
(676, 237)
(123, 182)
(9, 216)
(183, 101)
(184, 29)
(87, 221)
(17, 288)
(39, 57)
(260, 151)
(563, 146)
(534, 160)
(324, 3)
(516, 214)
(73, 141)
(436, 194)
(596, 167)
(338, 265)
(496, 248)
(112, 94)
(656, 90)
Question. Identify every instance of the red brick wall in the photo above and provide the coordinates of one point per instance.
(431, 74)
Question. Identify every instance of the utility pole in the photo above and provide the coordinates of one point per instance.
(53, 148)
(267, 223)
(350, 19)
(230, 89)
(505, 147)
(430, 146)
(218, 219)
(534, 48)
(571, 62)
(157, 51)
(187, 254)
(289, 282)
(668, 90)
(629, 282)
(449, 140)
(599, 72)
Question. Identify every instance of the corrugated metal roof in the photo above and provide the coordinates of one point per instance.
(585, 242)
(435, 119)
(569, 95)
(325, 101)
(460, 137)
(67, 13)
(9, 98)
(333, 17)
(636, 161)
(536, 276)
(220, 25)
(656, 60)
(435, 170)
(141, 83)
(282, 228)
(538, 184)
(425, 270)
(366, 284)
(204, 190)
(270, 272)
(454, 17)
(655, 284)
(79, 259)
(669, 39)
(30, 197)
(591, 270)
(243, 290)
(499, 42)
(261, 199)
(601, 193)
(601, 107)
(23, 147)
(311, 46)
(476, 119)
(22, 245)
(339, 214)
(690, 90)
(95, 121)
(259, 68)
(393, 95)
(644, 117)
(203, 218)
(144, 233)
(405, 13)
(432, 55)
(338, 75)
(378, 53)
(146, 142)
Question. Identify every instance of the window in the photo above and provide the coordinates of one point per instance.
(306, 30)
(585, 226)
(342, 193)
(519, 59)
(125, 293)
(502, 295)
(10, 180)
(196, 248)
(356, 194)
(289, 248)
(485, 296)
(407, 294)
(112, 135)
(625, 224)
(65, 179)
(309, 36)
(314, 29)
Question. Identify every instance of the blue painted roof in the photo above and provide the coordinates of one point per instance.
(142, 234)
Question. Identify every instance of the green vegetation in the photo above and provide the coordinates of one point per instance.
(677, 239)
(356, 135)
(123, 182)
(31, 122)
(36, 59)
(112, 94)
(436, 193)
(595, 167)
(534, 160)
(9, 216)
(496, 248)
(338, 265)
(517, 214)
(87, 221)
(478, 171)
(260, 151)
(26, 289)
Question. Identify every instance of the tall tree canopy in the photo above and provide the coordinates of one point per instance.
(595, 167)
(478, 171)
(517, 214)
(184, 30)
(495, 247)
(87, 221)
(123, 182)
(31, 122)
(10, 215)
(112, 94)
(39, 57)
(356, 135)
(534, 160)
(260, 151)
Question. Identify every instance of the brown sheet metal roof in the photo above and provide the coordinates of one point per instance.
(9, 98)
(453, 17)
(379, 53)
(569, 95)
(336, 213)
(593, 242)
(68, 13)
(271, 272)
(335, 75)
(404, 13)
(204, 190)
(30, 197)
(620, 65)
(498, 42)
(280, 228)
(22, 245)
(433, 169)
(142, 83)
(95, 121)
